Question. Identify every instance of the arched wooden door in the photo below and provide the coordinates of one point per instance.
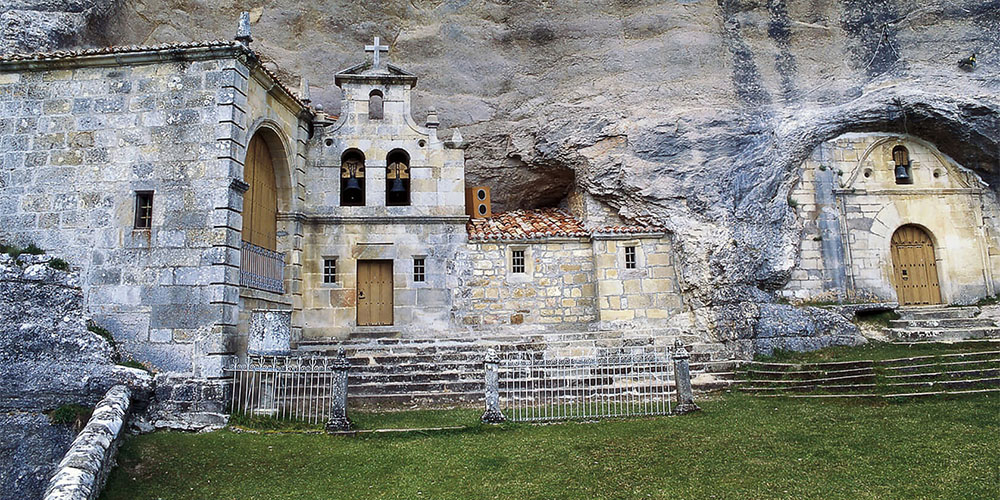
(913, 267)
(260, 203)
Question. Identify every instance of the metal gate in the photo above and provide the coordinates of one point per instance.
(611, 383)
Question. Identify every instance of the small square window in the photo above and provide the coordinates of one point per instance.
(517, 261)
(329, 270)
(629, 257)
(143, 209)
(419, 269)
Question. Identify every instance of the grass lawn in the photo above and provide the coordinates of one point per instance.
(739, 447)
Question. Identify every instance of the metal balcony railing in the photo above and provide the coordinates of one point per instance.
(261, 268)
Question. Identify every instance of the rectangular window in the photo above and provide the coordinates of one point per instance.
(143, 209)
(419, 269)
(329, 270)
(630, 257)
(517, 261)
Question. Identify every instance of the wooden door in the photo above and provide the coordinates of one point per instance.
(374, 292)
(913, 266)
(260, 202)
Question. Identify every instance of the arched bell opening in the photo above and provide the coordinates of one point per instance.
(352, 178)
(397, 179)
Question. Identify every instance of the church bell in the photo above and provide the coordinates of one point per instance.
(397, 188)
(352, 190)
(902, 176)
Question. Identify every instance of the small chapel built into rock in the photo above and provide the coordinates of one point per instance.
(194, 190)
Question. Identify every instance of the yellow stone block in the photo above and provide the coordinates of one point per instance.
(632, 286)
(608, 315)
(9, 78)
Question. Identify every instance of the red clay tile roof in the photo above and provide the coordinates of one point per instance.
(541, 223)
(526, 225)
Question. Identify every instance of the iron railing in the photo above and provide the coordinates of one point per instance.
(619, 382)
(285, 387)
(262, 268)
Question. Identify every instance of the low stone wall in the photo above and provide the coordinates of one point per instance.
(82, 472)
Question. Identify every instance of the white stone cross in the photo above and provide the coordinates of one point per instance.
(376, 49)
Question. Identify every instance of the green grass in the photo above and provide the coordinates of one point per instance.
(414, 419)
(739, 447)
(73, 415)
(874, 350)
(59, 264)
(15, 251)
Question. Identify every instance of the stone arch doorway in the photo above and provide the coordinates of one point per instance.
(914, 269)
(260, 203)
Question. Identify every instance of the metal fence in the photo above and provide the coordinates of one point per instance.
(262, 268)
(286, 387)
(610, 383)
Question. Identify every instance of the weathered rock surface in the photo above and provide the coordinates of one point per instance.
(693, 114)
(48, 358)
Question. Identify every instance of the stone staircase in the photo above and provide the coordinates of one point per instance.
(942, 323)
(975, 371)
(388, 370)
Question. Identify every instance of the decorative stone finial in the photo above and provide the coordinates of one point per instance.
(432, 118)
(456, 137)
(376, 50)
(243, 32)
(304, 93)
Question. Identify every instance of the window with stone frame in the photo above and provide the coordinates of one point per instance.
(419, 269)
(330, 270)
(143, 210)
(517, 262)
(375, 105)
(630, 257)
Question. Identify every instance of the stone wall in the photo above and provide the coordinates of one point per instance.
(82, 472)
(81, 135)
(649, 292)
(420, 308)
(850, 205)
(557, 288)
(78, 143)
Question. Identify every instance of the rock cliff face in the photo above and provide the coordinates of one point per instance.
(48, 358)
(694, 114)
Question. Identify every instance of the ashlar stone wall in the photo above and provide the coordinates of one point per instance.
(850, 205)
(557, 288)
(80, 135)
(648, 293)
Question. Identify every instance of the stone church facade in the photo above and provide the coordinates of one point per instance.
(889, 218)
(198, 194)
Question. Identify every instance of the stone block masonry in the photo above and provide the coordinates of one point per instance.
(81, 136)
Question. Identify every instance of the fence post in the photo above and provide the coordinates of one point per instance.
(682, 377)
(492, 415)
(338, 407)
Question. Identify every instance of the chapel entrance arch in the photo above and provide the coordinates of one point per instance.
(914, 269)
(260, 203)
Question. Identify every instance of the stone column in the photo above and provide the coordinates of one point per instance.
(338, 407)
(492, 415)
(682, 377)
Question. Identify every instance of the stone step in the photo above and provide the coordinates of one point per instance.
(939, 334)
(827, 366)
(945, 375)
(833, 388)
(806, 374)
(933, 312)
(939, 358)
(981, 383)
(863, 378)
(942, 323)
(950, 365)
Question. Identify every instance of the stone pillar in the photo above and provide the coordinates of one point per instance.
(682, 377)
(492, 415)
(338, 407)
